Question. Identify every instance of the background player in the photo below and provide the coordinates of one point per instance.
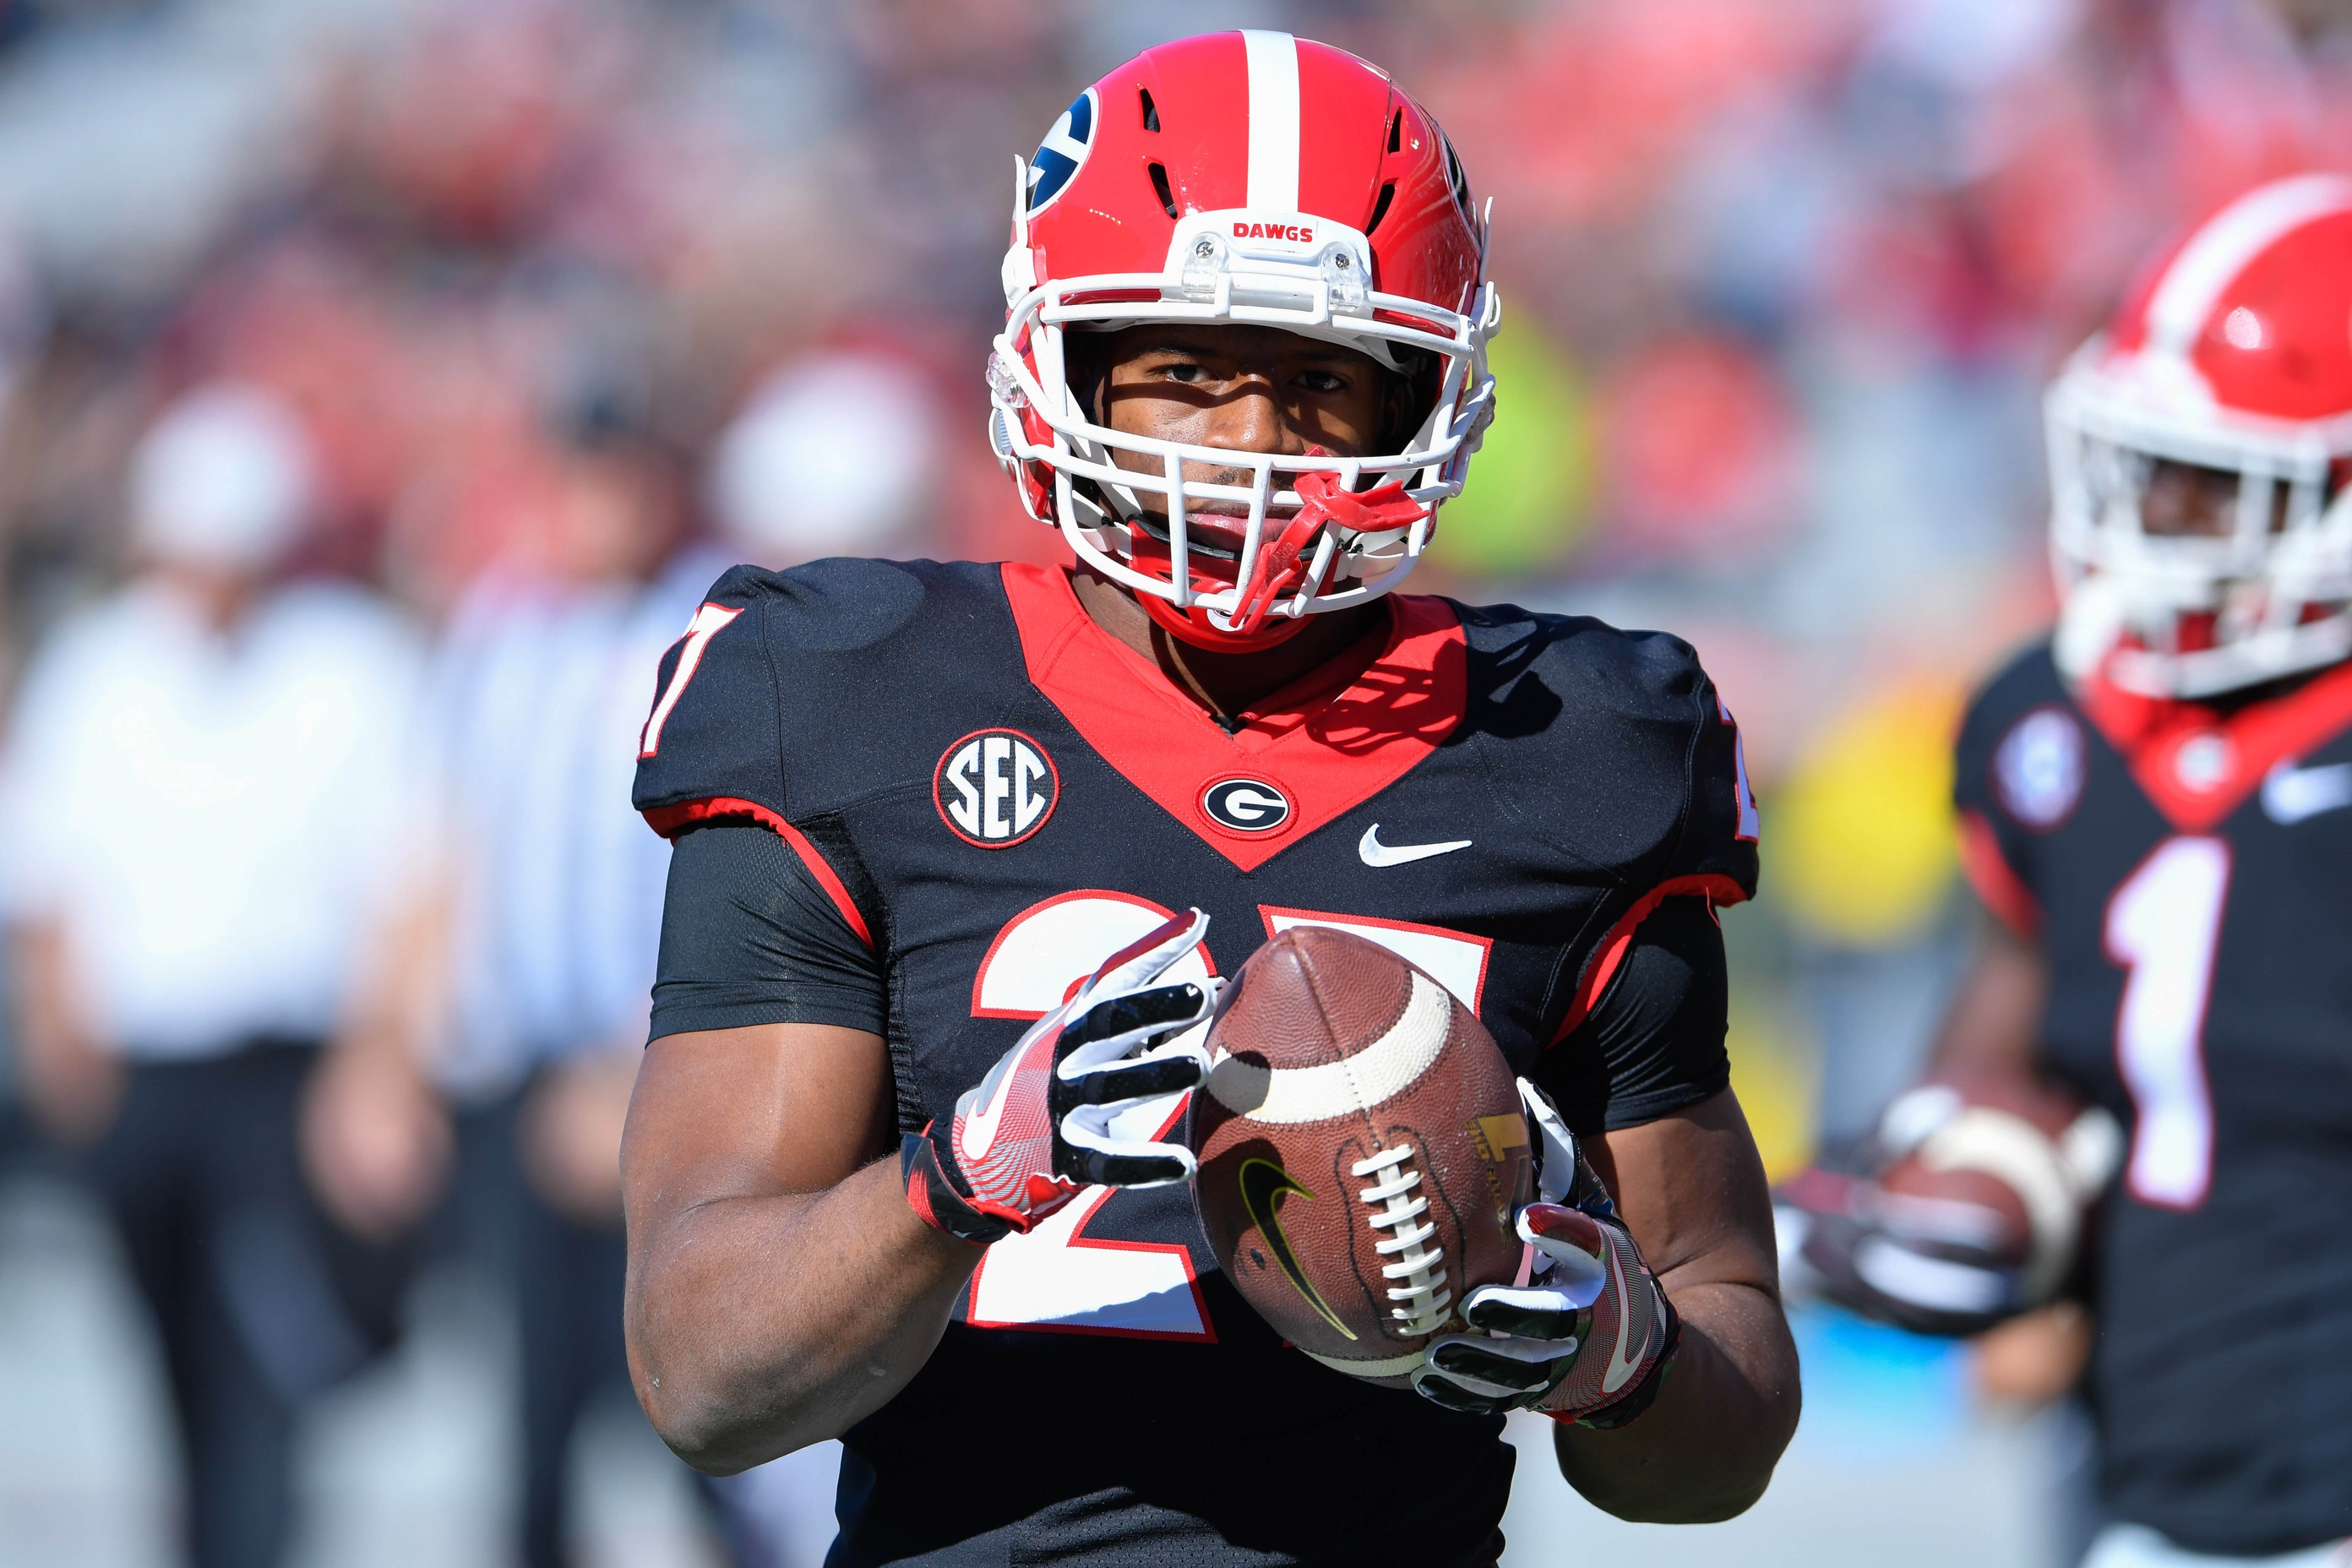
(2154, 808)
(917, 807)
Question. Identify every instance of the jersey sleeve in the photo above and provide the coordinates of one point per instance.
(1999, 850)
(1654, 1046)
(749, 936)
(716, 744)
(1644, 1031)
(1716, 854)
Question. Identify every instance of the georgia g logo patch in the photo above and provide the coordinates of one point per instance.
(1245, 806)
(1062, 152)
(994, 788)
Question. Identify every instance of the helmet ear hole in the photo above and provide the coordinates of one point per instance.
(1160, 186)
(1380, 207)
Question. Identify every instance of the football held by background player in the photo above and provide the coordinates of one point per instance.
(2155, 805)
(960, 851)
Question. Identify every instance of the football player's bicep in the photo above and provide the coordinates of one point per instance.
(1690, 1186)
(757, 1112)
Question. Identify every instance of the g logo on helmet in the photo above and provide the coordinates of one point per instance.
(996, 788)
(1245, 806)
(1062, 152)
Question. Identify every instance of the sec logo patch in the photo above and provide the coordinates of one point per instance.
(1245, 806)
(996, 788)
(2038, 768)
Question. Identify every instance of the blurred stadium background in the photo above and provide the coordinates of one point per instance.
(1782, 279)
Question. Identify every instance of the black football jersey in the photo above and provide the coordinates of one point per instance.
(994, 793)
(2188, 872)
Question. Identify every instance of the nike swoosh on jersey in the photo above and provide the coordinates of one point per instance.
(1263, 1183)
(1618, 1368)
(2291, 793)
(1375, 853)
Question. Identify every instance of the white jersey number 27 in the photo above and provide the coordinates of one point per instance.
(1057, 1278)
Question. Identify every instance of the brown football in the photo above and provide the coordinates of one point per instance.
(1362, 1151)
(2004, 1166)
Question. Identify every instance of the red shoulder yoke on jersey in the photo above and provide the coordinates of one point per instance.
(2153, 733)
(1328, 751)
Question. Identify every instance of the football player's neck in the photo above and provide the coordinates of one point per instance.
(1226, 684)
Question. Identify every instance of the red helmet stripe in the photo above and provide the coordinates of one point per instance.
(2184, 298)
(1273, 119)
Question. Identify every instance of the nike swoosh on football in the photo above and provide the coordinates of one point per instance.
(1618, 1368)
(2291, 793)
(1263, 1183)
(1375, 853)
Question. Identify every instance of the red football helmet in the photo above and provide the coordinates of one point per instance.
(1252, 178)
(2199, 454)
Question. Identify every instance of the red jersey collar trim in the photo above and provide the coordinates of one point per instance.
(1327, 742)
(2196, 765)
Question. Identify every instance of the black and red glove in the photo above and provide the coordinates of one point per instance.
(1966, 1208)
(1586, 1334)
(1028, 1136)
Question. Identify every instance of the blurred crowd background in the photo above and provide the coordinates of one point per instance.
(452, 349)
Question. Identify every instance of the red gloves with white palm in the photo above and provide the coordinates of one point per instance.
(1588, 1336)
(1037, 1127)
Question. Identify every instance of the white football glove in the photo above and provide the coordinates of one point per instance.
(1586, 1334)
(1036, 1128)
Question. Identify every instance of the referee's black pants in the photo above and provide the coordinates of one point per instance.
(259, 1300)
(564, 1278)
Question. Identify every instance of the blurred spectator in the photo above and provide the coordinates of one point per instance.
(836, 454)
(547, 676)
(562, 892)
(219, 918)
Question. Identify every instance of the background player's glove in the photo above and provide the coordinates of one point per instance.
(1586, 1334)
(1971, 1212)
(1037, 1127)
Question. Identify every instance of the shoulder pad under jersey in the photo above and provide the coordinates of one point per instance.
(761, 705)
(1640, 767)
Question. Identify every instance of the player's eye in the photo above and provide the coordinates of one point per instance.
(1322, 381)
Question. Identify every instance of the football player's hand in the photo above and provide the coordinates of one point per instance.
(1945, 1262)
(1036, 1128)
(1587, 1332)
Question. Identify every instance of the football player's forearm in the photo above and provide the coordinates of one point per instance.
(1994, 1020)
(757, 1325)
(1705, 1450)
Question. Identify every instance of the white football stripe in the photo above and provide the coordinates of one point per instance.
(1289, 1096)
(1388, 1366)
(2207, 265)
(1273, 119)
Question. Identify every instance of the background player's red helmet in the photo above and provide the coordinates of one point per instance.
(2234, 355)
(1252, 178)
